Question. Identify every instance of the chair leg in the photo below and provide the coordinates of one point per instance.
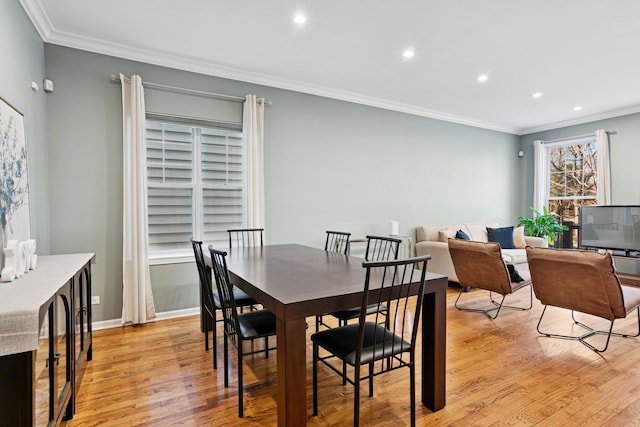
(214, 338)
(412, 382)
(356, 395)
(371, 367)
(226, 360)
(206, 330)
(240, 385)
(497, 305)
(315, 379)
(589, 332)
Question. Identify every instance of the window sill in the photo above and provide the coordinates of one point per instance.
(170, 259)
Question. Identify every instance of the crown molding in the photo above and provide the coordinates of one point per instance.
(49, 34)
(37, 15)
(581, 120)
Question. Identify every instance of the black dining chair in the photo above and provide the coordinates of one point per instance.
(210, 300)
(240, 237)
(239, 327)
(371, 345)
(335, 242)
(379, 248)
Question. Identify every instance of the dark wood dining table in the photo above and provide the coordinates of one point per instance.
(295, 282)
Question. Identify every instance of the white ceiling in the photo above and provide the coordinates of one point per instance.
(576, 52)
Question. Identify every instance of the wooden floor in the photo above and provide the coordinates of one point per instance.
(499, 372)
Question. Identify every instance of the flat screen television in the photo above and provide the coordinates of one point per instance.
(611, 227)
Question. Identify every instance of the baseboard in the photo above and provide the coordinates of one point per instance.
(116, 323)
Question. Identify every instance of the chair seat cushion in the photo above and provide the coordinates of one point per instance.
(256, 324)
(242, 299)
(354, 313)
(378, 343)
(631, 296)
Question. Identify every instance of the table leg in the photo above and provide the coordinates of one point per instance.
(434, 341)
(292, 372)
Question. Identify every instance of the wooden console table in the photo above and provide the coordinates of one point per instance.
(45, 340)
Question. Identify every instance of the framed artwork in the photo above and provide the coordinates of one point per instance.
(14, 184)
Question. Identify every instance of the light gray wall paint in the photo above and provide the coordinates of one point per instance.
(328, 164)
(22, 53)
(624, 151)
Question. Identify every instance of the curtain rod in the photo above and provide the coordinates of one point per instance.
(553, 141)
(153, 85)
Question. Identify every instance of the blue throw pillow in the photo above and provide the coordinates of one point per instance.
(502, 235)
(462, 235)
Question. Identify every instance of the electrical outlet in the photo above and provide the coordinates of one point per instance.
(95, 300)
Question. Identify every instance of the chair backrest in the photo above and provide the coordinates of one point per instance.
(382, 248)
(225, 290)
(390, 283)
(204, 274)
(576, 280)
(480, 265)
(245, 237)
(337, 241)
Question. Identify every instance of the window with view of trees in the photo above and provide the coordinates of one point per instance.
(572, 178)
(195, 185)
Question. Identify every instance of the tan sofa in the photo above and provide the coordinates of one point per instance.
(432, 240)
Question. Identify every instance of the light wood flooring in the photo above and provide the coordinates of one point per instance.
(499, 372)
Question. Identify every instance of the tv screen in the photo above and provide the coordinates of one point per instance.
(610, 227)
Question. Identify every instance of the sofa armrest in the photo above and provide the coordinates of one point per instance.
(440, 261)
(536, 242)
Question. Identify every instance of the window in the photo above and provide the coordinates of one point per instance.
(195, 185)
(572, 177)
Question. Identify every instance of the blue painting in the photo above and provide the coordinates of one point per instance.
(14, 179)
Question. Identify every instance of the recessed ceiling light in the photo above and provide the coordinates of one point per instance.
(483, 78)
(577, 108)
(299, 19)
(536, 94)
(408, 53)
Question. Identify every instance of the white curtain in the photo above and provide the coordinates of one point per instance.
(539, 175)
(137, 298)
(253, 130)
(603, 168)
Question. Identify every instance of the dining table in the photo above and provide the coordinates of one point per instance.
(295, 282)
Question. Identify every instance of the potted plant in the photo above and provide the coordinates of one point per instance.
(543, 224)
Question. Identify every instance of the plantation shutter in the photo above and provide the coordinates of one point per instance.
(170, 181)
(195, 185)
(222, 180)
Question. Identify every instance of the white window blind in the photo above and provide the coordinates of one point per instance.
(195, 185)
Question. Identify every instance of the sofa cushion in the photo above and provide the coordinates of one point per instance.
(518, 238)
(514, 256)
(502, 235)
(462, 235)
(430, 232)
(446, 234)
(478, 231)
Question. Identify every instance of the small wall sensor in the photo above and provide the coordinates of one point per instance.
(47, 85)
(520, 153)
(34, 86)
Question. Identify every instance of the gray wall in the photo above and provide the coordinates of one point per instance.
(22, 53)
(328, 164)
(624, 150)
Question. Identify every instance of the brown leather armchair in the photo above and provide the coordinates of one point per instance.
(480, 265)
(585, 282)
